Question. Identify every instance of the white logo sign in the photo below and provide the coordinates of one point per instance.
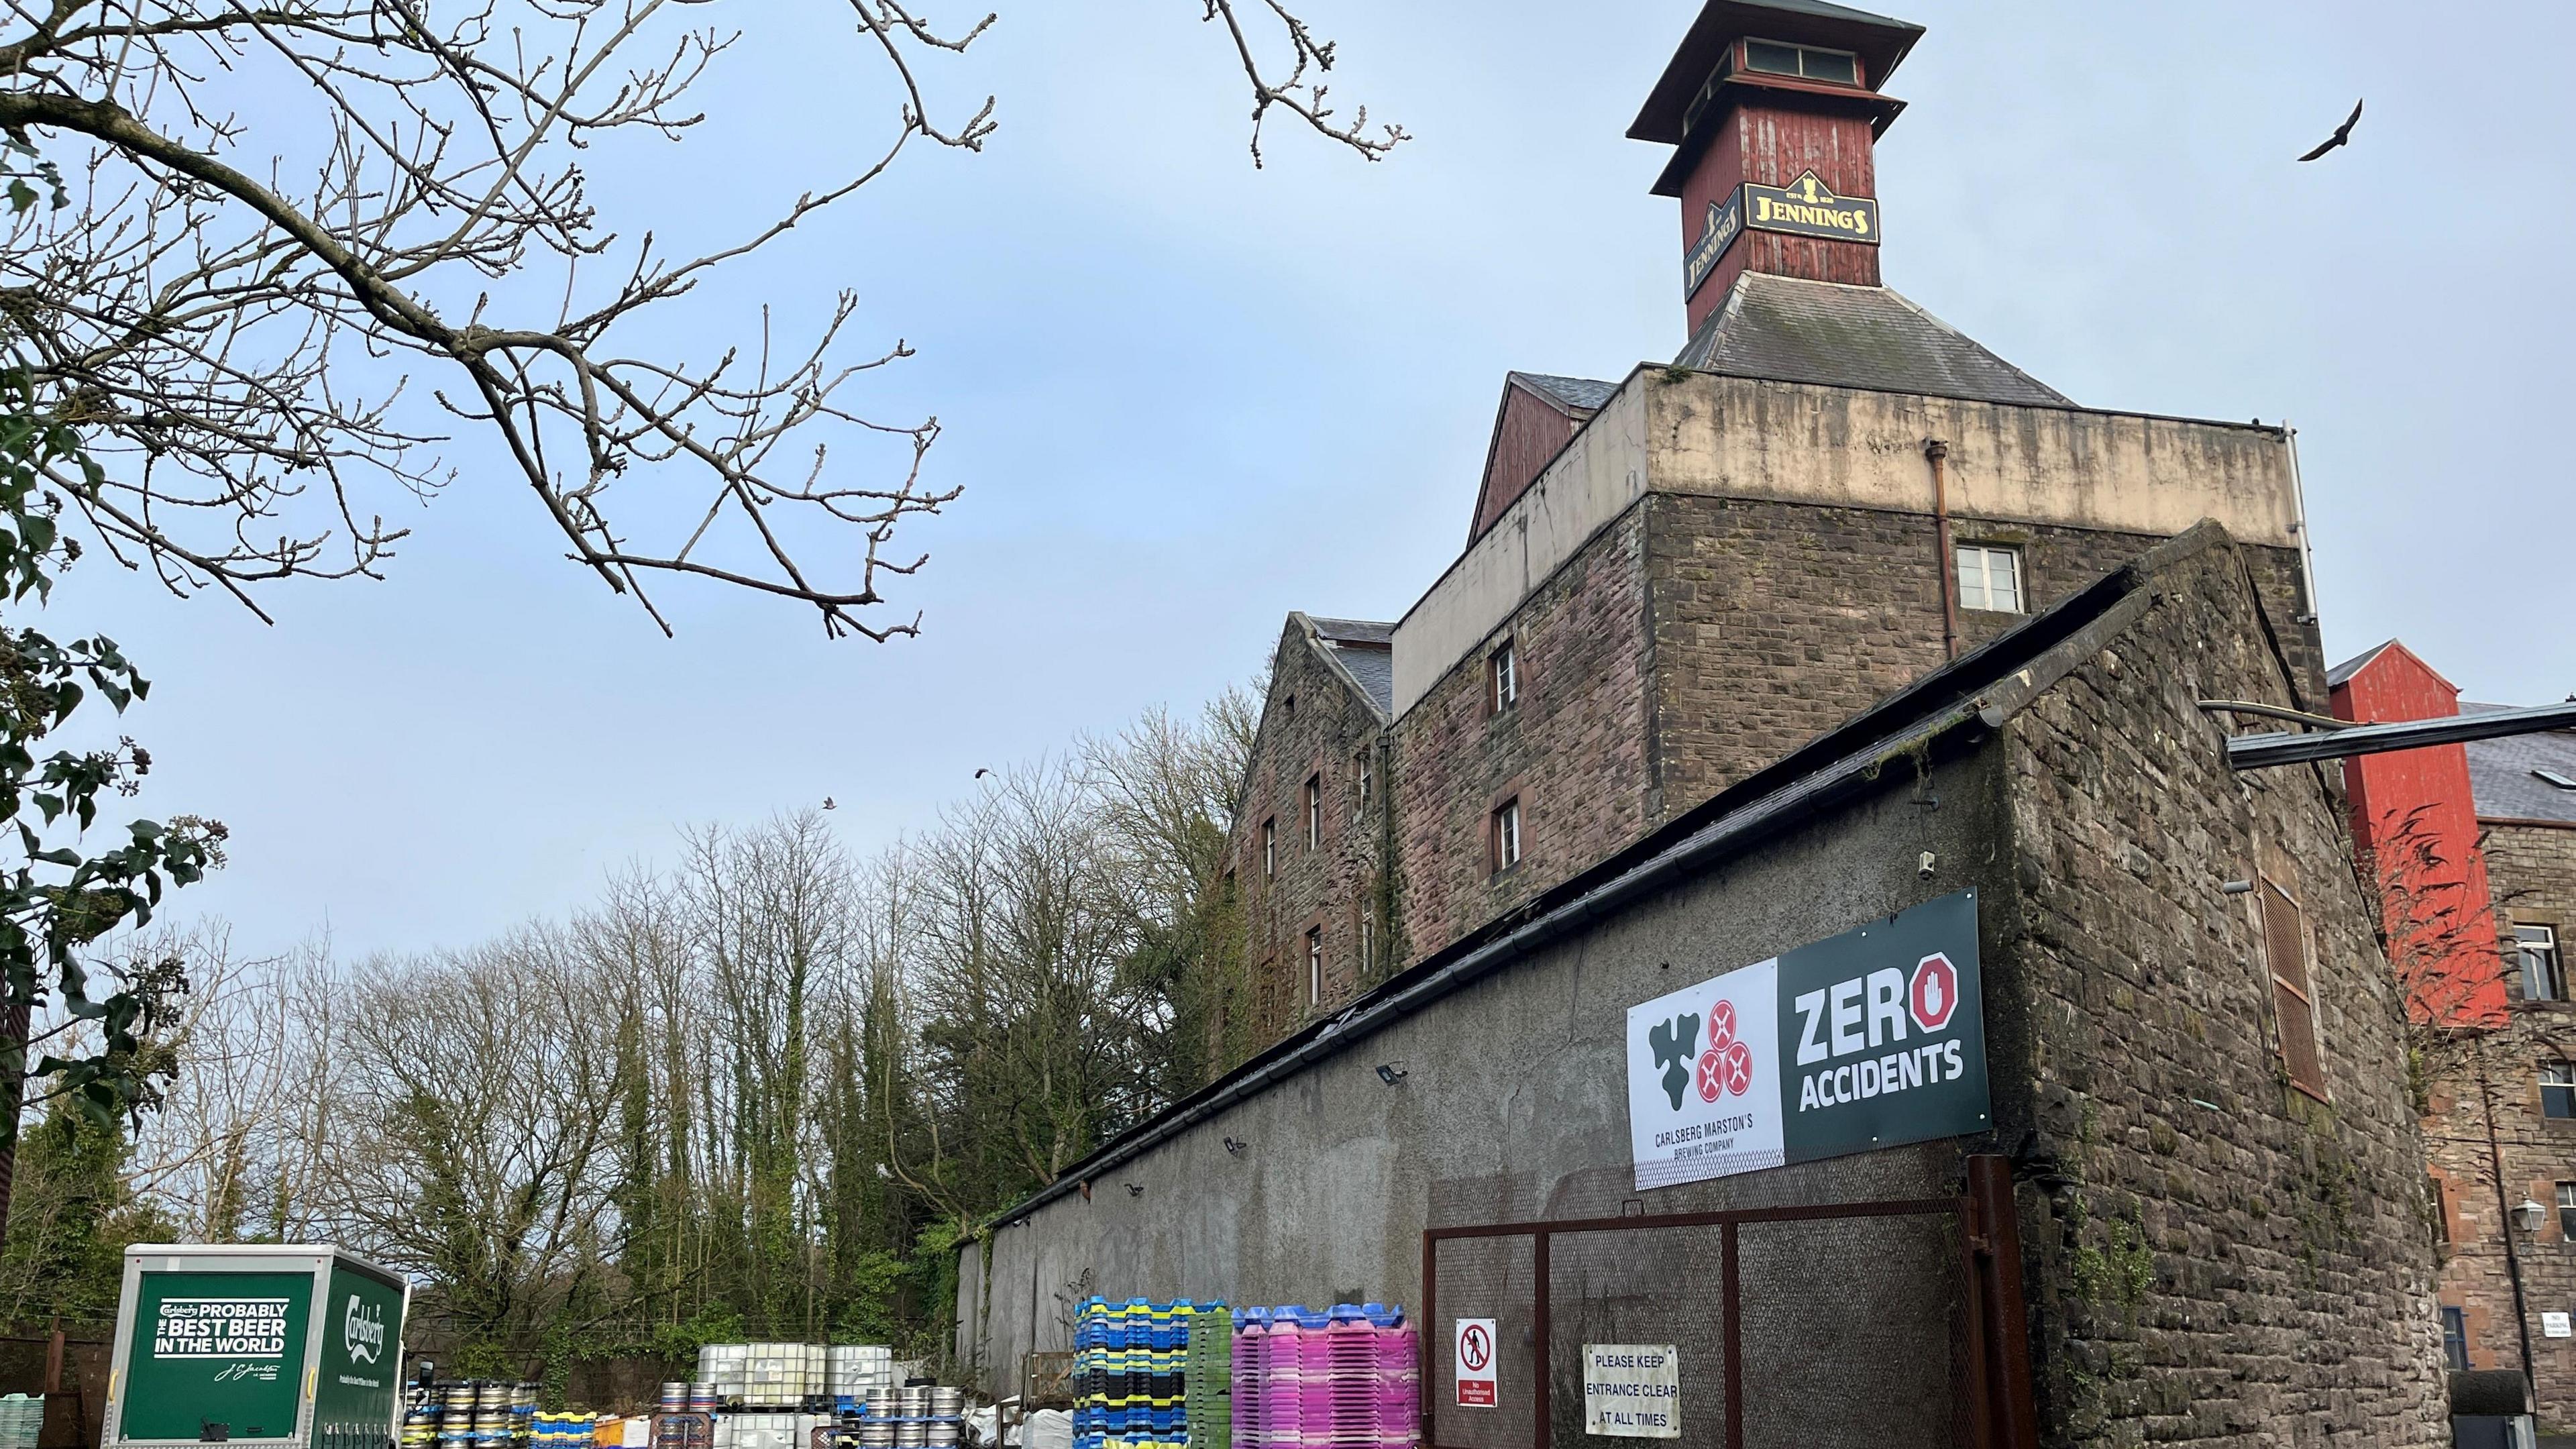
(1704, 1079)
(1632, 1390)
(1476, 1385)
(362, 1331)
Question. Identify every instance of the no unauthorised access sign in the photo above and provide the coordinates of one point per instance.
(1873, 1038)
(1476, 1382)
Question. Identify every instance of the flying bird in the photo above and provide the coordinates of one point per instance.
(2341, 137)
(828, 805)
(980, 774)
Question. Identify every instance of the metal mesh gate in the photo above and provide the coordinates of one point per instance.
(1888, 1325)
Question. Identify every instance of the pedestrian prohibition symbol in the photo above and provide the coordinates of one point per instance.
(1476, 1386)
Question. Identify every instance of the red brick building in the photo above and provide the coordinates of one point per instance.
(2474, 848)
(1674, 579)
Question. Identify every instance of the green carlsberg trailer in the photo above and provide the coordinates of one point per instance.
(256, 1345)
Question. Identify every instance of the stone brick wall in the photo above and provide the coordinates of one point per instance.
(2215, 1257)
(1572, 751)
(1316, 725)
(1773, 622)
(1692, 642)
(2483, 1106)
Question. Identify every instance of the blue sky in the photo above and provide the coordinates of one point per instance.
(1185, 396)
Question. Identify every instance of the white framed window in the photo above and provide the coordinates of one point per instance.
(1314, 812)
(1270, 848)
(1990, 579)
(1368, 946)
(2567, 1211)
(2558, 1091)
(1361, 784)
(1315, 966)
(2544, 975)
(1507, 836)
(1502, 679)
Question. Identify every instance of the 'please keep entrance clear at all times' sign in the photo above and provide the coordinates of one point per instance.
(1632, 1390)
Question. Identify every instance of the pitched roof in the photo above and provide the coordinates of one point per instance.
(1787, 329)
(2341, 673)
(1574, 394)
(2504, 778)
(1879, 40)
(1365, 651)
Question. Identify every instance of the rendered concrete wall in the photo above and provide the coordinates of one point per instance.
(1513, 1106)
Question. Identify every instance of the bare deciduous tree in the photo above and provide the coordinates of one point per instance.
(270, 212)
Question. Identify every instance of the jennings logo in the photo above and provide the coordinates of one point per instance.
(1804, 207)
(362, 1331)
(1808, 207)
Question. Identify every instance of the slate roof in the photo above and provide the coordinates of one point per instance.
(1366, 652)
(2501, 778)
(2336, 677)
(1574, 394)
(1881, 41)
(1786, 329)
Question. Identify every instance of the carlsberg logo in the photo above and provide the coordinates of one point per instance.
(362, 1332)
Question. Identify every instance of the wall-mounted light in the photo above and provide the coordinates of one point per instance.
(1392, 1073)
(1234, 1148)
(2530, 1215)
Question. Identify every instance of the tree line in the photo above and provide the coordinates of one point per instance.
(760, 1092)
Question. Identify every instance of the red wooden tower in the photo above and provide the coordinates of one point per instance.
(1774, 107)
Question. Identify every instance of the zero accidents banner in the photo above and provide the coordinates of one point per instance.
(1874, 1038)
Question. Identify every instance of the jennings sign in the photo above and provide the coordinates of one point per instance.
(1804, 207)
(1871, 1039)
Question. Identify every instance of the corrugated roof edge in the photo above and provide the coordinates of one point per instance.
(1976, 693)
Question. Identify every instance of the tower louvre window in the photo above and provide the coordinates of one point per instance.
(1771, 57)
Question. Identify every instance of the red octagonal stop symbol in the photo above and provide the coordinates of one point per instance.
(1935, 992)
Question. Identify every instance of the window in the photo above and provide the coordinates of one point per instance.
(1502, 679)
(1270, 848)
(2567, 1211)
(2455, 1337)
(2542, 978)
(1506, 840)
(2554, 780)
(1360, 783)
(1804, 61)
(1314, 811)
(1990, 579)
(2558, 1091)
(2285, 948)
(1315, 966)
(1368, 942)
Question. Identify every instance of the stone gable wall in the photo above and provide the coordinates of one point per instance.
(1333, 887)
(2215, 1257)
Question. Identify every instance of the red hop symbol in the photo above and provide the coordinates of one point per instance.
(1721, 1026)
(1712, 1076)
(1739, 1069)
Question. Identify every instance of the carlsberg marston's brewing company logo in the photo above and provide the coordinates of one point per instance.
(362, 1331)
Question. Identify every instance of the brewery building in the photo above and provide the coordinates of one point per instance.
(1780, 894)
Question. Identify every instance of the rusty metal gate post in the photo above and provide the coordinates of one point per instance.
(2000, 1314)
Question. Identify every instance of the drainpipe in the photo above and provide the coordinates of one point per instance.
(2504, 1218)
(1944, 560)
(2307, 545)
